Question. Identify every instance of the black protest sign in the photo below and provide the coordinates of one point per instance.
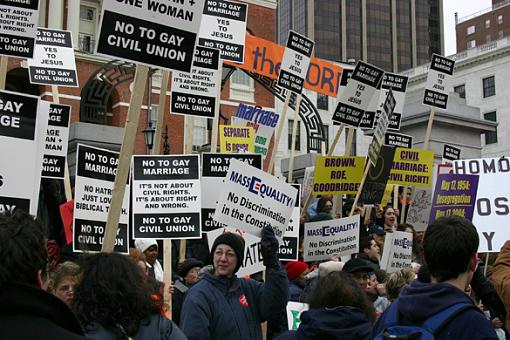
(289, 247)
(17, 115)
(9, 204)
(397, 139)
(152, 32)
(18, 27)
(451, 153)
(437, 87)
(367, 120)
(166, 197)
(89, 235)
(214, 169)
(398, 85)
(295, 62)
(55, 147)
(99, 164)
(377, 177)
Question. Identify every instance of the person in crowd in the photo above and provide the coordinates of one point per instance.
(140, 260)
(312, 209)
(188, 276)
(450, 247)
(113, 301)
(370, 252)
(149, 247)
(417, 242)
(339, 309)
(500, 277)
(359, 270)
(397, 280)
(388, 219)
(312, 278)
(223, 306)
(377, 233)
(63, 280)
(26, 311)
(296, 272)
(376, 293)
(324, 208)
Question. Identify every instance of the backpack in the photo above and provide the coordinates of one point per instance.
(428, 330)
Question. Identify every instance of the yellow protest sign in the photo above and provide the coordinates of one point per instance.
(412, 167)
(387, 195)
(338, 175)
(235, 139)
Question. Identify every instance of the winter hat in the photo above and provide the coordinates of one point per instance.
(330, 266)
(294, 269)
(377, 230)
(144, 244)
(357, 265)
(233, 240)
(188, 265)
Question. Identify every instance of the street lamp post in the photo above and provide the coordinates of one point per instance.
(166, 146)
(148, 134)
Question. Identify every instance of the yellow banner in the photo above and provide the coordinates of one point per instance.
(412, 167)
(235, 139)
(387, 195)
(338, 175)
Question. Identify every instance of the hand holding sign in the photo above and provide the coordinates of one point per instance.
(269, 248)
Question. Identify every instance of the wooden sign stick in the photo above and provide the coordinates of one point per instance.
(293, 142)
(335, 140)
(126, 151)
(3, 71)
(429, 129)
(279, 131)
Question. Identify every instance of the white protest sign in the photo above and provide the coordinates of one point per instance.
(438, 79)
(253, 261)
(380, 131)
(263, 134)
(397, 252)
(295, 62)
(492, 200)
(224, 27)
(419, 212)
(55, 141)
(23, 122)
(214, 169)
(450, 153)
(18, 27)
(325, 238)
(289, 247)
(368, 119)
(308, 180)
(166, 197)
(252, 199)
(353, 101)
(95, 173)
(53, 62)
(195, 93)
(152, 32)
(398, 85)
(294, 310)
(398, 139)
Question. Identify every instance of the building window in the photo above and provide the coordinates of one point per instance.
(241, 86)
(325, 129)
(500, 19)
(322, 101)
(491, 137)
(488, 38)
(487, 23)
(199, 136)
(471, 44)
(297, 146)
(489, 87)
(461, 90)
(86, 43)
(87, 13)
(500, 34)
(470, 30)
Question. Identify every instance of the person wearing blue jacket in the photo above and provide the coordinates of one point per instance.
(223, 306)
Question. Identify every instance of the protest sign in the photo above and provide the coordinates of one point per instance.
(252, 199)
(492, 205)
(325, 238)
(290, 245)
(234, 139)
(294, 310)
(152, 32)
(166, 197)
(95, 173)
(419, 211)
(18, 27)
(387, 195)
(358, 93)
(438, 79)
(224, 27)
(454, 195)
(380, 131)
(450, 153)
(55, 141)
(295, 62)
(23, 122)
(195, 93)
(412, 167)
(399, 140)
(214, 169)
(398, 85)
(53, 62)
(253, 261)
(397, 252)
(367, 120)
(307, 186)
(371, 109)
(263, 134)
(337, 175)
(377, 177)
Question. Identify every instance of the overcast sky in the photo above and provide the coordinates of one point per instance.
(464, 8)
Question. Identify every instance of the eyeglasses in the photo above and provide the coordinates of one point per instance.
(229, 255)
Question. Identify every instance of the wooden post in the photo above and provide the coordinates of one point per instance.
(358, 194)
(395, 196)
(293, 142)
(4, 60)
(161, 112)
(429, 129)
(279, 131)
(216, 120)
(404, 205)
(126, 152)
(348, 142)
(335, 140)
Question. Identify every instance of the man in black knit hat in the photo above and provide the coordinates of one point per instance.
(223, 306)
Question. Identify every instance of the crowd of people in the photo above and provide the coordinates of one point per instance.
(445, 292)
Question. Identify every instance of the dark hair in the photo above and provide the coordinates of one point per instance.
(23, 249)
(448, 245)
(321, 204)
(404, 226)
(339, 289)
(365, 242)
(113, 293)
(66, 270)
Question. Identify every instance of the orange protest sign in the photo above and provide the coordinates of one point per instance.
(264, 57)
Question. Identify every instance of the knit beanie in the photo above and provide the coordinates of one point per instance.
(233, 240)
(188, 265)
(144, 244)
(295, 268)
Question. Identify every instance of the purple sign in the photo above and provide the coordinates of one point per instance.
(454, 195)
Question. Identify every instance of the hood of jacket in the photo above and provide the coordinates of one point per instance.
(224, 284)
